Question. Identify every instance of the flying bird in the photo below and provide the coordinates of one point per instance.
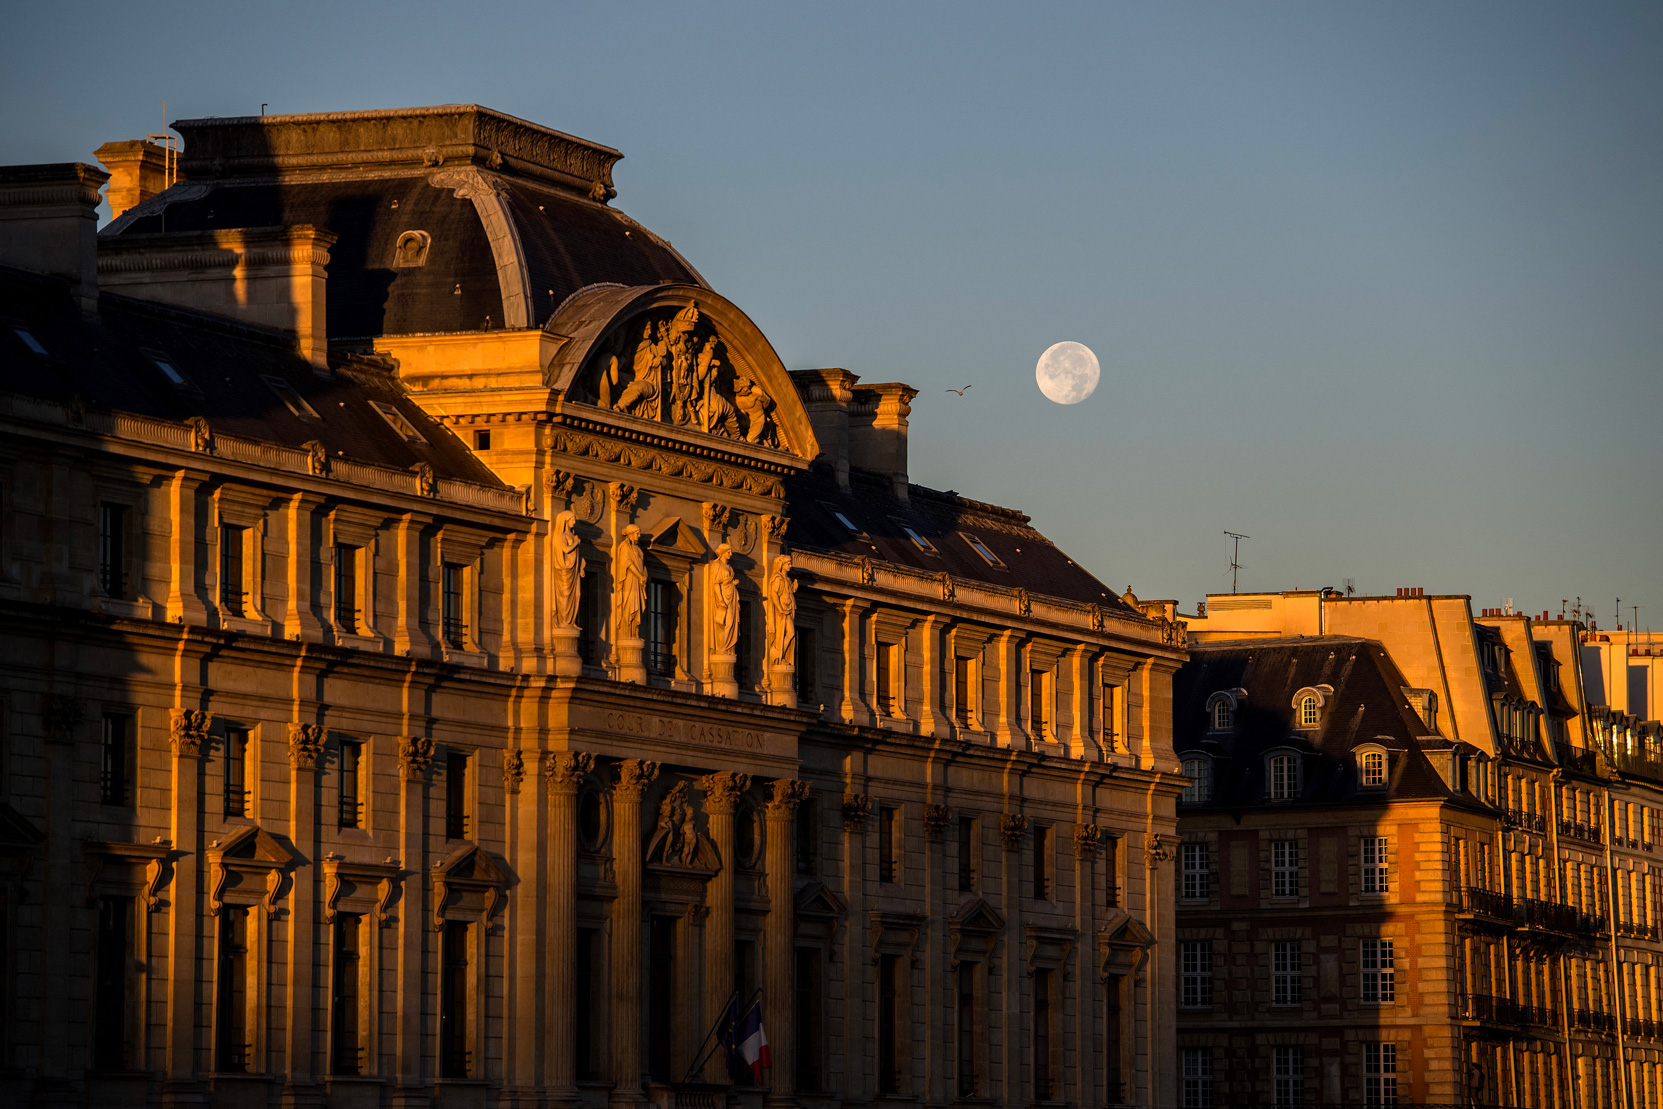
(961, 392)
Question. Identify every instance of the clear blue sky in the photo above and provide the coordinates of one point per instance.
(1379, 285)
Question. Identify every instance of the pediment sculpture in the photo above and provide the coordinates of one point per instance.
(674, 367)
(676, 840)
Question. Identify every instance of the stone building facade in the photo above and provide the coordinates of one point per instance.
(448, 659)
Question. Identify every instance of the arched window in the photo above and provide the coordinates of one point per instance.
(1309, 712)
(1374, 768)
(1223, 716)
(1284, 777)
(1202, 788)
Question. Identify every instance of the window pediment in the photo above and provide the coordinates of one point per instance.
(248, 867)
(467, 883)
(1123, 944)
(973, 931)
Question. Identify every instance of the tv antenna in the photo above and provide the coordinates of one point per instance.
(1350, 586)
(1235, 557)
(1635, 610)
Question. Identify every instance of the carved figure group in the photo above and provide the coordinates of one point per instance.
(676, 838)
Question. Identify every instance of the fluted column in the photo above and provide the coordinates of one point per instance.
(415, 757)
(721, 797)
(633, 777)
(565, 772)
(189, 736)
(779, 990)
(305, 749)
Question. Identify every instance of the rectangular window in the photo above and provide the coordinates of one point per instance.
(967, 854)
(661, 996)
(1197, 1066)
(453, 611)
(349, 806)
(1379, 974)
(1111, 870)
(455, 1058)
(1284, 777)
(1039, 717)
(586, 958)
(456, 795)
(962, 703)
(231, 569)
(236, 772)
(1375, 859)
(808, 670)
(1197, 871)
(807, 839)
(346, 588)
(1042, 1038)
(1042, 862)
(116, 770)
(231, 1047)
(1287, 968)
(745, 668)
(810, 1043)
(661, 628)
(112, 955)
(889, 836)
(968, 1032)
(1284, 868)
(889, 1025)
(1109, 699)
(589, 619)
(345, 1054)
(112, 549)
(887, 653)
(1379, 1075)
(1288, 1073)
(482, 440)
(1195, 962)
(1113, 1045)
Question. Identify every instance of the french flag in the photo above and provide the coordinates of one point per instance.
(752, 1044)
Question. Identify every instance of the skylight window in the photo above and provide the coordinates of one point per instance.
(173, 373)
(918, 540)
(397, 422)
(29, 339)
(291, 397)
(843, 518)
(981, 548)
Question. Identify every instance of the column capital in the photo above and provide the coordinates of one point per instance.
(190, 732)
(415, 755)
(564, 771)
(633, 777)
(306, 745)
(722, 790)
(513, 771)
(787, 794)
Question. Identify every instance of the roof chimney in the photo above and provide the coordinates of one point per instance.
(270, 276)
(826, 394)
(138, 171)
(49, 223)
(878, 431)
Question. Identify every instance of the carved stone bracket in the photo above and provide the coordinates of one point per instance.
(948, 590)
(189, 732)
(306, 745)
(317, 457)
(868, 570)
(1096, 617)
(157, 859)
(1048, 947)
(936, 819)
(775, 527)
(202, 436)
(427, 482)
(1024, 603)
(243, 861)
(513, 771)
(560, 483)
(973, 932)
(856, 808)
(1123, 944)
(1012, 827)
(1087, 839)
(415, 756)
(623, 496)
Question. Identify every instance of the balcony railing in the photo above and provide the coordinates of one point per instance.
(1529, 821)
(1504, 1010)
(1592, 1020)
(1547, 915)
(1637, 930)
(1639, 766)
(1497, 906)
(1642, 1029)
(1576, 830)
(1579, 759)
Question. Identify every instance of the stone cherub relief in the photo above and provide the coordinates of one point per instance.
(676, 840)
(678, 370)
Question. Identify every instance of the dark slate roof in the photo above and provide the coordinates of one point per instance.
(1367, 706)
(567, 242)
(102, 361)
(1030, 560)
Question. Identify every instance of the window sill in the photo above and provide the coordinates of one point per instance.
(459, 657)
(247, 625)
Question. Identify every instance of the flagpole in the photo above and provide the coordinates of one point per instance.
(728, 1014)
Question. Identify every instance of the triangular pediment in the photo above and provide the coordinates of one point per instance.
(17, 833)
(471, 864)
(818, 900)
(670, 534)
(253, 844)
(977, 916)
(1127, 930)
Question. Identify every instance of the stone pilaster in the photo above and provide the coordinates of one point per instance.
(779, 986)
(564, 772)
(305, 752)
(633, 777)
(415, 758)
(721, 798)
(189, 737)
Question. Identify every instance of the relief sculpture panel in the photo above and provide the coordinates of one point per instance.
(674, 367)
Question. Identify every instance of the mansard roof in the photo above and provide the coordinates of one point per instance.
(107, 361)
(516, 214)
(1030, 560)
(1367, 707)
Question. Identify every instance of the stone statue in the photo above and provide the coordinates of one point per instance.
(719, 414)
(629, 582)
(568, 570)
(755, 404)
(640, 396)
(782, 614)
(724, 603)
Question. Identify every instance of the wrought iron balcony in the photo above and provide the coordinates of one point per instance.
(1578, 759)
(1575, 830)
(1487, 903)
(1548, 916)
(1592, 1020)
(1642, 1029)
(1528, 821)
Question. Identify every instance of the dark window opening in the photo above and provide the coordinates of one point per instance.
(810, 1046)
(1108, 710)
(745, 836)
(231, 1047)
(112, 955)
(591, 819)
(889, 1026)
(345, 1054)
(661, 628)
(806, 838)
(1036, 703)
(482, 440)
(350, 810)
(1111, 870)
(888, 860)
(1112, 1041)
(969, 1061)
(808, 668)
(453, 610)
(587, 955)
(231, 569)
(1042, 862)
(1042, 1036)
(745, 668)
(961, 691)
(112, 549)
(589, 619)
(346, 588)
(886, 678)
(236, 772)
(661, 996)
(116, 769)
(967, 854)
(455, 1060)
(456, 795)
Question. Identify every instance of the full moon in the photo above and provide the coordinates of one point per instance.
(1067, 373)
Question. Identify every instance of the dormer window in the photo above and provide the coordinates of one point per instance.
(1283, 774)
(1371, 769)
(1309, 712)
(290, 396)
(1200, 769)
(1309, 703)
(1222, 708)
(1223, 717)
(174, 375)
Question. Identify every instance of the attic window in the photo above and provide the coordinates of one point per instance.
(411, 250)
(981, 548)
(842, 518)
(918, 540)
(290, 397)
(165, 364)
(1373, 769)
(28, 338)
(397, 422)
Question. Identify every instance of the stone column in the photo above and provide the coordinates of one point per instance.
(779, 992)
(305, 749)
(189, 736)
(633, 778)
(415, 757)
(1013, 827)
(721, 797)
(565, 772)
(1089, 1079)
(523, 973)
